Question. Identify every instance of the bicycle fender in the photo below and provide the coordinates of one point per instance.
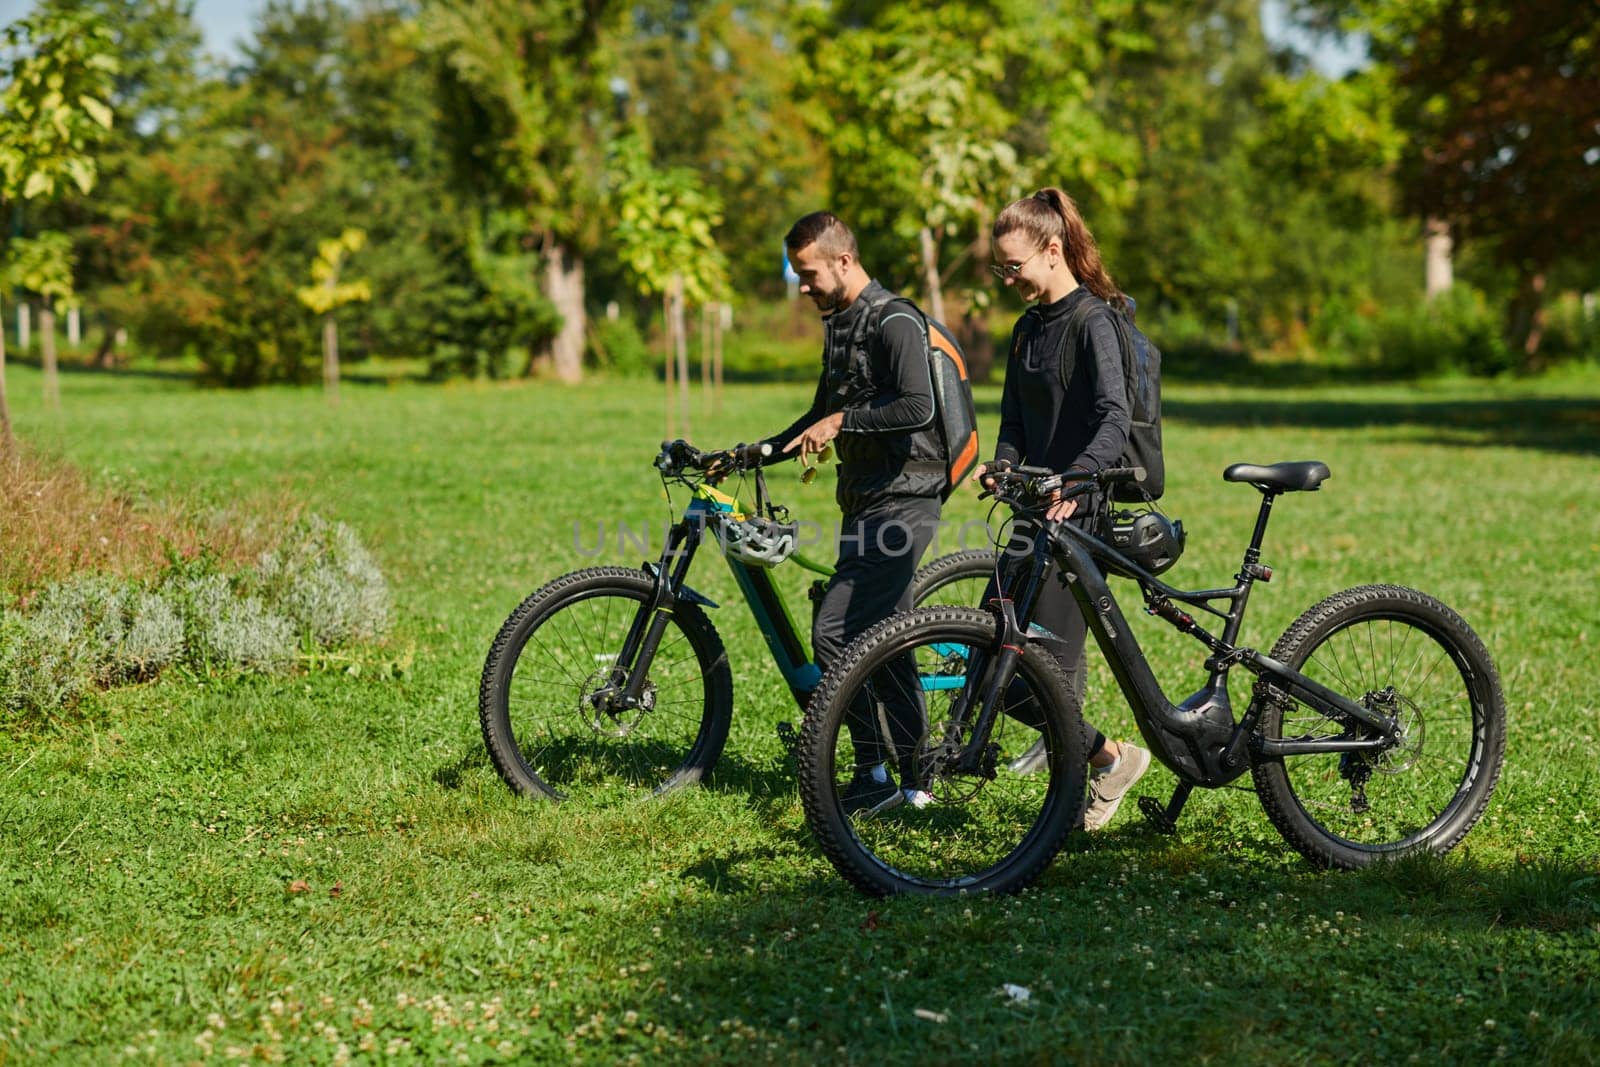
(694, 597)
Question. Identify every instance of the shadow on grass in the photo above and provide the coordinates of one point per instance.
(1195, 948)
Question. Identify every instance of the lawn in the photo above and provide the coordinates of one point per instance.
(324, 866)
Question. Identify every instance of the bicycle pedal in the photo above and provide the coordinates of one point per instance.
(1156, 812)
(788, 737)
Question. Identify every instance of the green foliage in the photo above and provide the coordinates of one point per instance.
(42, 265)
(226, 630)
(714, 87)
(1457, 332)
(87, 632)
(664, 228)
(326, 291)
(527, 95)
(56, 71)
(617, 346)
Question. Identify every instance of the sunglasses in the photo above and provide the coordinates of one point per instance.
(1011, 270)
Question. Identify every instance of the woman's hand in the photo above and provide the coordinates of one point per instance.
(1060, 510)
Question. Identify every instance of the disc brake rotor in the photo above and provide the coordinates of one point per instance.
(597, 698)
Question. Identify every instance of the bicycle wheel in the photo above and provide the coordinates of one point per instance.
(1405, 653)
(958, 579)
(558, 649)
(988, 831)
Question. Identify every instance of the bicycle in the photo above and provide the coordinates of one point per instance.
(628, 681)
(1376, 726)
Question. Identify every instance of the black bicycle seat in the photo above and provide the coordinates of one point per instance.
(1279, 477)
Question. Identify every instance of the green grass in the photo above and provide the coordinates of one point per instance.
(152, 843)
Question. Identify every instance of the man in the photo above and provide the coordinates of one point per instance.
(874, 402)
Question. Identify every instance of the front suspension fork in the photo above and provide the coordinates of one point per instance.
(650, 621)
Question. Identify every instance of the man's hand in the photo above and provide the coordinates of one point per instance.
(983, 476)
(818, 434)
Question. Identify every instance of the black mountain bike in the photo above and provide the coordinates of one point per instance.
(612, 678)
(1376, 726)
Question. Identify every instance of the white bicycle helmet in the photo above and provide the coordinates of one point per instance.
(757, 541)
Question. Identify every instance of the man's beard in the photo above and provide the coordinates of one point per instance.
(832, 300)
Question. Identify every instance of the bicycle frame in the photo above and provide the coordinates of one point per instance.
(784, 640)
(1197, 738)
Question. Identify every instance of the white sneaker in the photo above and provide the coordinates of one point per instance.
(1108, 785)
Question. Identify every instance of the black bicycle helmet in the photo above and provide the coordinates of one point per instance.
(1148, 538)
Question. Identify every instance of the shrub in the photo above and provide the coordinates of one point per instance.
(1457, 331)
(1572, 331)
(121, 632)
(37, 672)
(225, 630)
(325, 581)
(619, 347)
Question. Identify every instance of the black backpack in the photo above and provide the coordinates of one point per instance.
(955, 418)
(1141, 373)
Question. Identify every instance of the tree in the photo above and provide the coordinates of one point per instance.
(713, 87)
(664, 236)
(55, 83)
(528, 93)
(327, 293)
(935, 115)
(1499, 103)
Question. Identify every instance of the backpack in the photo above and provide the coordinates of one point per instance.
(1141, 374)
(955, 418)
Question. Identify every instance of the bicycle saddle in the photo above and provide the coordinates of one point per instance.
(1279, 477)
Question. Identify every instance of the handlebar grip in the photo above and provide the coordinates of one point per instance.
(752, 455)
(1122, 474)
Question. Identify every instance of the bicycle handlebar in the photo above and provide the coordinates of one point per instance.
(679, 455)
(1029, 487)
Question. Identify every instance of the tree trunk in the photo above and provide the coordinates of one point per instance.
(977, 343)
(705, 358)
(330, 359)
(976, 340)
(666, 333)
(72, 327)
(1536, 321)
(105, 355)
(47, 350)
(24, 328)
(5, 405)
(680, 343)
(564, 288)
(930, 274)
(1438, 272)
(724, 312)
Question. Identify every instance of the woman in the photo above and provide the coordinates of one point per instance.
(1064, 407)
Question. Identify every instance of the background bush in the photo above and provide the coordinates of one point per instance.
(1456, 332)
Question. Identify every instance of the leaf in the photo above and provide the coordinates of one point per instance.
(38, 182)
(81, 171)
(299, 885)
(98, 111)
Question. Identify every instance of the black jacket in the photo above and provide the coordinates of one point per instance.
(1085, 423)
(875, 370)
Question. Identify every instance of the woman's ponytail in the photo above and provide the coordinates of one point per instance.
(1050, 212)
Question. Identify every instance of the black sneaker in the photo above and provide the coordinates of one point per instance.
(865, 793)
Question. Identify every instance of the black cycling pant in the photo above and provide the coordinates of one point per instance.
(878, 555)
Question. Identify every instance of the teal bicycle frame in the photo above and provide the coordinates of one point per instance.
(790, 649)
